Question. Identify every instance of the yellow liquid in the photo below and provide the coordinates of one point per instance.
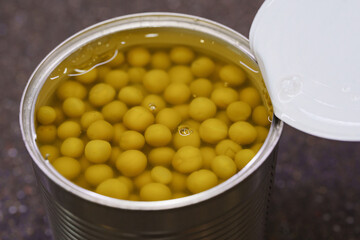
(98, 54)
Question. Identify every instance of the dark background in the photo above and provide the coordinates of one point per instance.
(317, 186)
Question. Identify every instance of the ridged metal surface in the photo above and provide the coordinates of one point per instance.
(246, 220)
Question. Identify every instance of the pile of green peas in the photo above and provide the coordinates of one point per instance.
(153, 124)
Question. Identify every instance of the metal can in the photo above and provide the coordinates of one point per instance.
(235, 209)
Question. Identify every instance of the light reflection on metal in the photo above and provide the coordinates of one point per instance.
(248, 67)
(184, 130)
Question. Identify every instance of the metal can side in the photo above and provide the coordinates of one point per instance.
(235, 209)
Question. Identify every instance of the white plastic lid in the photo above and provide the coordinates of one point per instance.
(309, 55)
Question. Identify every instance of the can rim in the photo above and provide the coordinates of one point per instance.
(64, 49)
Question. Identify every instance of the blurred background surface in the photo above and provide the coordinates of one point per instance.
(317, 187)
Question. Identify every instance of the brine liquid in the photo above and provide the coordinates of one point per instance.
(151, 116)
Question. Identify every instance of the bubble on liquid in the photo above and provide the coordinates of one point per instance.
(185, 130)
(152, 107)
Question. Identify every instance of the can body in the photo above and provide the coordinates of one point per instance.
(237, 214)
(235, 209)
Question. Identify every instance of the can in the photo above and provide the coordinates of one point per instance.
(234, 209)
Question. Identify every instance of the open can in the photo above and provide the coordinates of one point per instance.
(234, 209)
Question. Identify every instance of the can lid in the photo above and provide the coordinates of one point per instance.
(309, 55)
